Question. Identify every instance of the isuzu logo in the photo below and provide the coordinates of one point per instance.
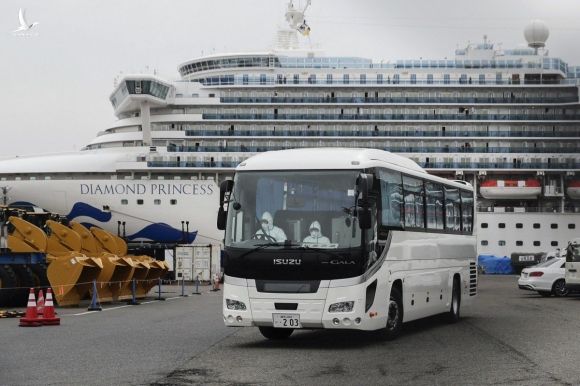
(287, 261)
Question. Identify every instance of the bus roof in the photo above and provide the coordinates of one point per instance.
(337, 159)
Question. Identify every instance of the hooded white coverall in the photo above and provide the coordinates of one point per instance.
(268, 228)
(316, 236)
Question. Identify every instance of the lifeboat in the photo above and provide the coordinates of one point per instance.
(511, 189)
(573, 189)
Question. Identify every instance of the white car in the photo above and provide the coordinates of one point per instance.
(547, 278)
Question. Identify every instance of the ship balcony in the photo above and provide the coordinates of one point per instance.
(389, 100)
(396, 117)
(410, 148)
(379, 133)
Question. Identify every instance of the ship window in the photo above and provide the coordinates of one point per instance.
(484, 242)
(484, 225)
(139, 202)
(537, 243)
(501, 243)
(519, 225)
(379, 78)
(536, 225)
(554, 226)
(413, 78)
(363, 78)
(345, 79)
(296, 78)
(173, 201)
(501, 225)
(571, 226)
(124, 202)
(157, 201)
(329, 78)
(446, 78)
(519, 243)
(554, 243)
(429, 78)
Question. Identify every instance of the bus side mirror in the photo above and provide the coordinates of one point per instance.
(226, 188)
(364, 184)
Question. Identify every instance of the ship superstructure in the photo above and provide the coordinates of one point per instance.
(505, 120)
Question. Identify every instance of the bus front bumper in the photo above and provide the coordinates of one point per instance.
(312, 310)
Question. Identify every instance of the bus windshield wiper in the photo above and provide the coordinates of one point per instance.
(257, 247)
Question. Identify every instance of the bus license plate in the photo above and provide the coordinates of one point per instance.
(287, 321)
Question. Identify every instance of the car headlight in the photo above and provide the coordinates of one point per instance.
(235, 305)
(341, 307)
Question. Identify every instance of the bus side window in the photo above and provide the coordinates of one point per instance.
(413, 199)
(467, 211)
(391, 198)
(434, 195)
(452, 209)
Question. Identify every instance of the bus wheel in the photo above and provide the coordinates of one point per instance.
(276, 333)
(453, 315)
(394, 315)
(559, 288)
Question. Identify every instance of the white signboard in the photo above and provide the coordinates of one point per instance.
(202, 262)
(183, 263)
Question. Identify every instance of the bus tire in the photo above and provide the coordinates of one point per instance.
(394, 315)
(455, 310)
(276, 333)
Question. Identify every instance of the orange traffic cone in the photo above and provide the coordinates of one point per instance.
(30, 319)
(49, 318)
(40, 303)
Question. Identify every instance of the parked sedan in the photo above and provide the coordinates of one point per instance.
(546, 278)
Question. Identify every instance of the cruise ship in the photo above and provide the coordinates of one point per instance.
(505, 120)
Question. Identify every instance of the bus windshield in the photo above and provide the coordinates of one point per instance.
(311, 209)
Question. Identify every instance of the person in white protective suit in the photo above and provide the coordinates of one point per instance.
(316, 236)
(269, 229)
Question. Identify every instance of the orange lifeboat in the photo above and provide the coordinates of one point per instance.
(573, 189)
(511, 189)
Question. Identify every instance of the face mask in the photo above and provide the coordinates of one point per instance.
(314, 233)
(265, 227)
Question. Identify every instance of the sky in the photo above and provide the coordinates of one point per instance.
(55, 85)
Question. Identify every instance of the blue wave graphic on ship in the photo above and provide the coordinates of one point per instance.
(163, 232)
(82, 209)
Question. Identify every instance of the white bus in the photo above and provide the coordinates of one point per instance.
(573, 266)
(343, 239)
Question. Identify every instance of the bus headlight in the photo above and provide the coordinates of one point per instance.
(235, 305)
(341, 307)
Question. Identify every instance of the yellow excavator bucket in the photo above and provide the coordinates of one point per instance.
(115, 277)
(156, 270)
(62, 240)
(89, 245)
(72, 276)
(26, 237)
(139, 275)
(121, 246)
(106, 241)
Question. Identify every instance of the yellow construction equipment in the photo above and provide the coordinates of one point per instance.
(70, 273)
(25, 237)
(77, 256)
(71, 277)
